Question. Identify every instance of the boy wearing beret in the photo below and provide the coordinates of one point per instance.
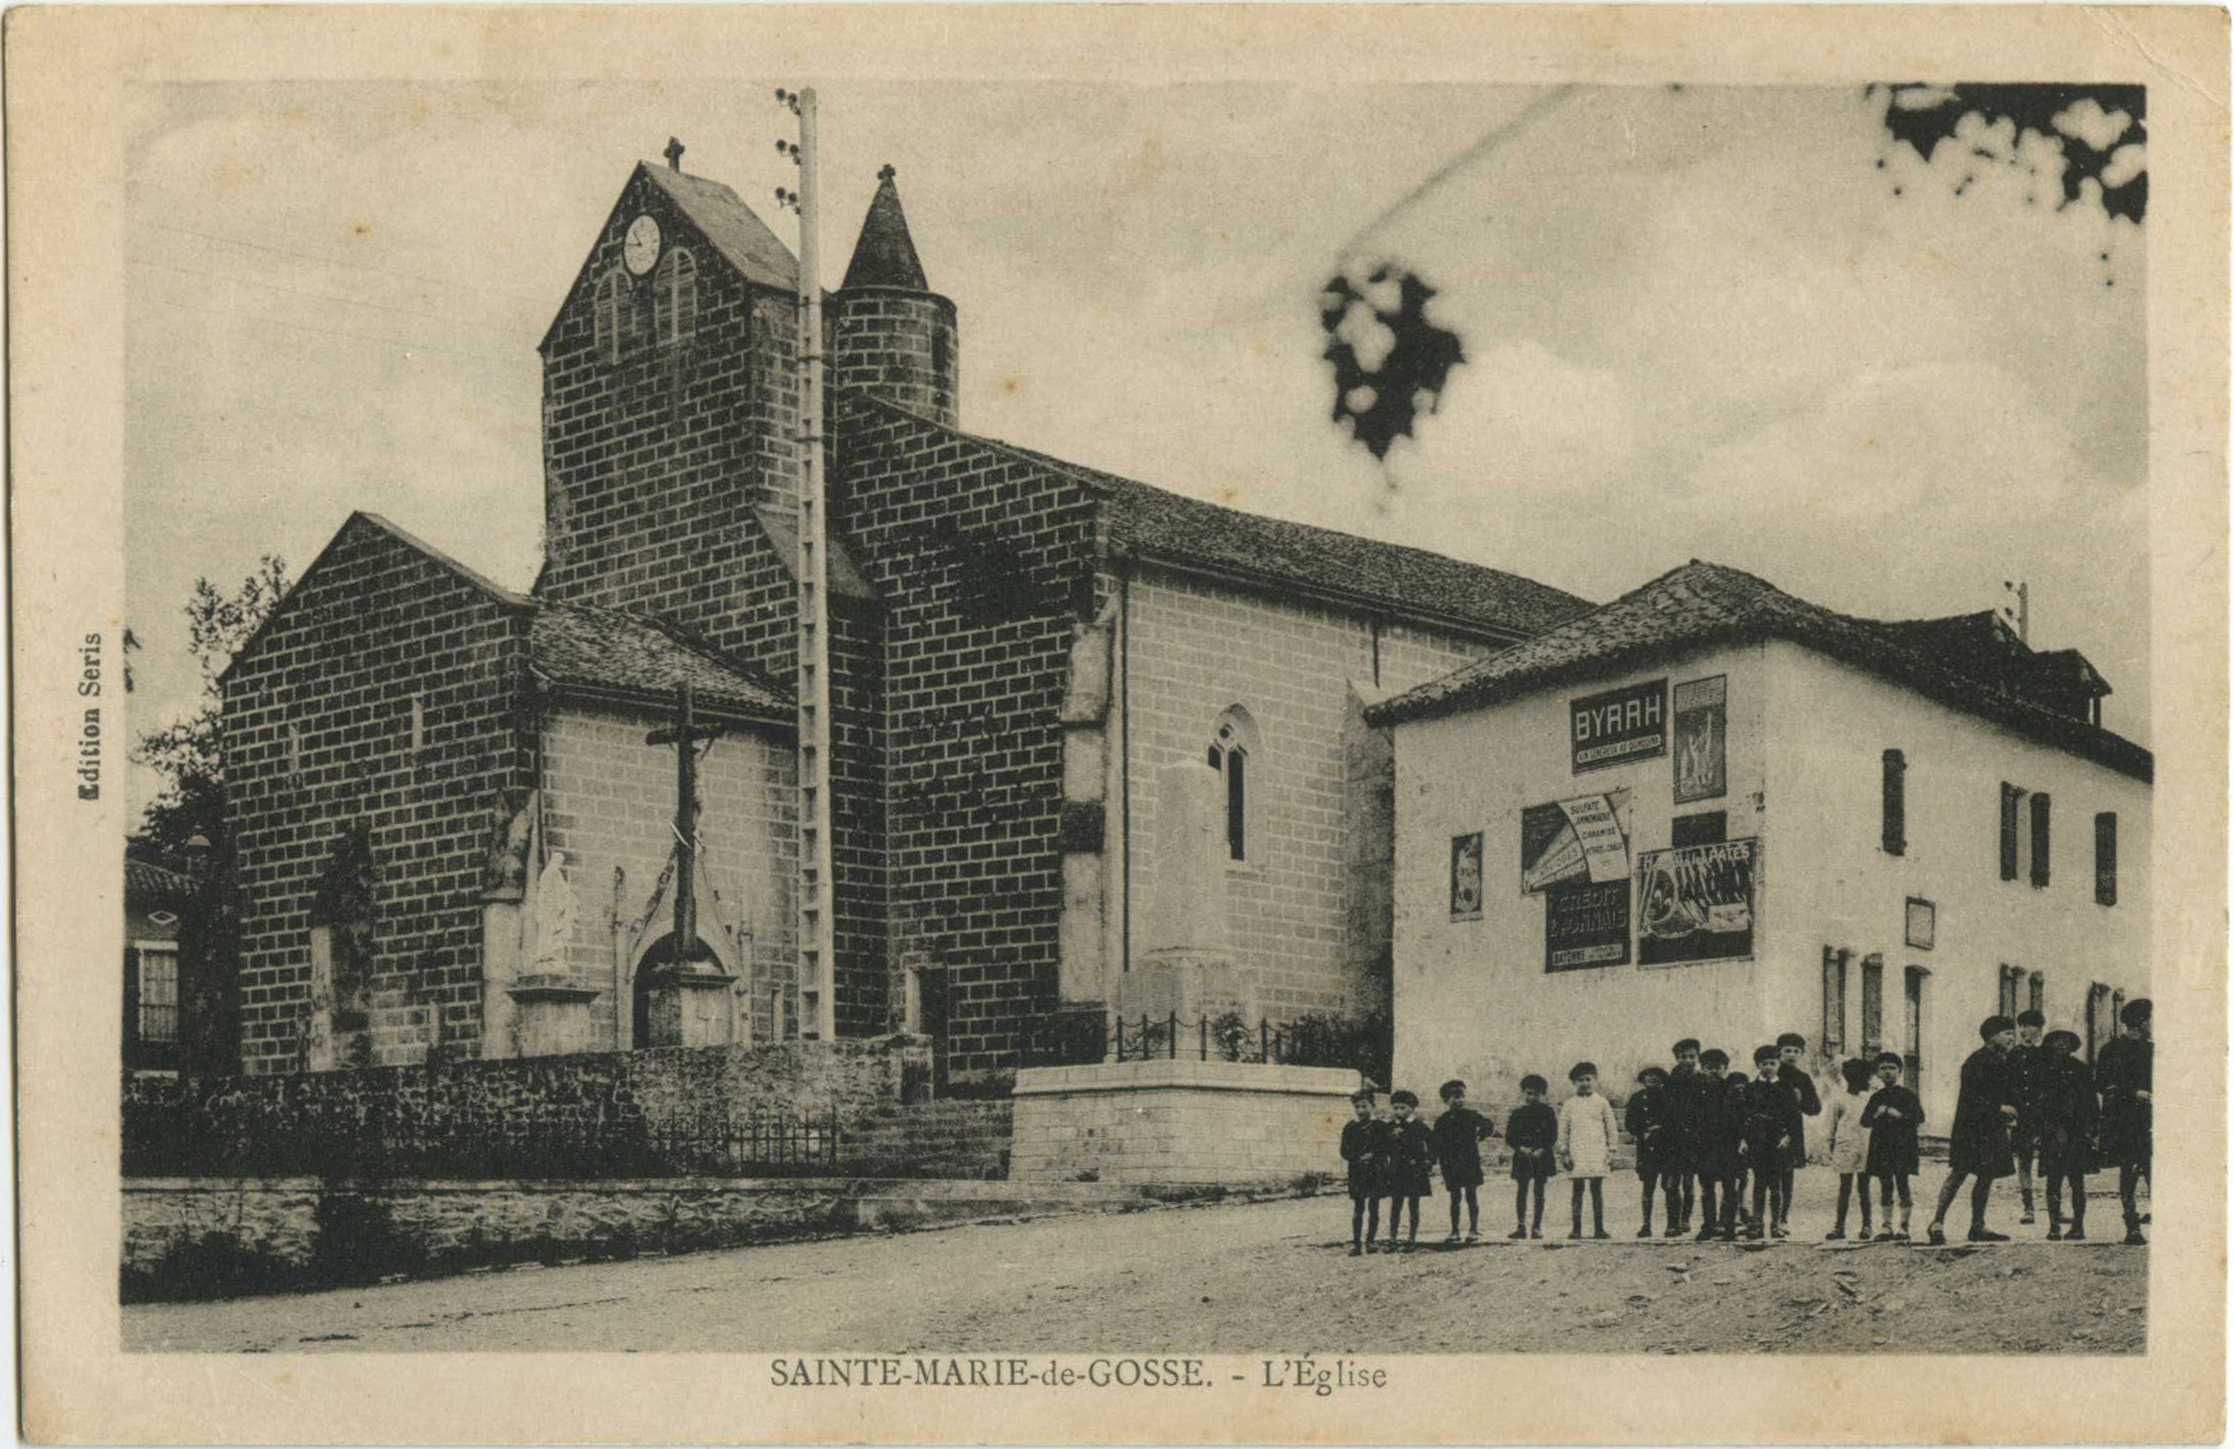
(1411, 1162)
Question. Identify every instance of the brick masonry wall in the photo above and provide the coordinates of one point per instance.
(973, 760)
(1194, 648)
(902, 346)
(1233, 1123)
(609, 803)
(373, 625)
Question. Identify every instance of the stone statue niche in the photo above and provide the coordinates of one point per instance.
(341, 958)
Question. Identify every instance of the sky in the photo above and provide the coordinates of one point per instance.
(1735, 324)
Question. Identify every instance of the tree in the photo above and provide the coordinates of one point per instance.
(1390, 362)
(2101, 132)
(186, 753)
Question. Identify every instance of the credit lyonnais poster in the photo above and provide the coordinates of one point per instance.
(1584, 839)
(1629, 723)
(1586, 924)
(1702, 720)
(1695, 903)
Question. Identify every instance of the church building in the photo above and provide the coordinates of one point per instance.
(1081, 726)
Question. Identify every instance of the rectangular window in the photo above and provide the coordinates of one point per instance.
(158, 994)
(1834, 1000)
(1710, 827)
(2106, 858)
(2039, 840)
(2036, 992)
(1873, 1005)
(2010, 795)
(1895, 824)
(1913, 1039)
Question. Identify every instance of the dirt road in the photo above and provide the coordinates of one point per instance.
(1270, 1277)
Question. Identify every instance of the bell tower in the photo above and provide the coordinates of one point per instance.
(892, 336)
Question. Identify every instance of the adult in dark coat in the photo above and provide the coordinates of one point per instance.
(1645, 1119)
(1978, 1144)
(2060, 1099)
(2123, 1071)
(1894, 1116)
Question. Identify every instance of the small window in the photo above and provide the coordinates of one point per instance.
(2106, 858)
(2040, 840)
(158, 1017)
(677, 294)
(1834, 1001)
(1873, 1005)
(611, 316)
(2012, 984)
(2036, 992)
(1229, 754)
(1895, 823)
(2010, 795)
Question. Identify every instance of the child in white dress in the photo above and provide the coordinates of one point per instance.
(1586, 1136)
(1849, 1145)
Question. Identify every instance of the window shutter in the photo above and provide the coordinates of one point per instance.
(2036, 987)
(2106, 858)
(1873, 1004)
(1896, 803)
(2040, 840)
(2009, 794)
(1834, 1001)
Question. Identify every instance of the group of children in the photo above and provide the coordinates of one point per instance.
(1704, 1134)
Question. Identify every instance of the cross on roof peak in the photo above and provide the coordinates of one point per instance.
(674, 154)
(885, 172)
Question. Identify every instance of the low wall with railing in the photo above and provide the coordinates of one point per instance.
(1179, 1120)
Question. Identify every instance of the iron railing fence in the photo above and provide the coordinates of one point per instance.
(1075, 1038)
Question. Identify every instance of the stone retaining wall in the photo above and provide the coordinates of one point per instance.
(1234, 1123)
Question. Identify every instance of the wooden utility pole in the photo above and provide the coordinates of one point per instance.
(817, 912)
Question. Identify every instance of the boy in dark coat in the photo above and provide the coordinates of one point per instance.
(1458, 1136)
(1365, 1149)
(1411, 1165)
(1645, 1120)
(1532, 1131)
(1978, 1145)
(2123, 1071)
(1894, 1116)
(1683, 1104)
(1721, 1126)
(1794, 1079)
(2061, 1100)
(2027, 1060)
(1770, 1112)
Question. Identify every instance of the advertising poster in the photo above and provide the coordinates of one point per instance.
(1695, 903)
(1466, 877)
(1702, 719)
(1630, 723)
(1584, 839)
(1586, 925)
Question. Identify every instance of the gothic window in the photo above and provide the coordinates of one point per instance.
(676, 296)
(1233, 749)
(611, 313)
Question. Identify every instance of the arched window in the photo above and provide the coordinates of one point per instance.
(612, 316)
(677, 297)
(1234, 748)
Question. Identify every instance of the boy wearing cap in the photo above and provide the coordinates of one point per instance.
(1411, 1164)
(2123, 1071)
(1769, 1114)
(1893, 1119)
(1793, 1077)
(1532, 1131)
(1365, 1149)
(2027, 1059)
(1683, 1107)
(1721, 1127)
(1645, 1120)
(1458, 1135)
(1978, 1145)
(2063, 1108)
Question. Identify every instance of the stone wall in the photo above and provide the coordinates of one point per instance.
(1232, 1123)
(587, 1115)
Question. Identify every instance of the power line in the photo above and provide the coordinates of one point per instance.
(331, 332)
(332, 261)
(322, 296)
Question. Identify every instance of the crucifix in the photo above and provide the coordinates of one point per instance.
(684, 735)
(674, 154)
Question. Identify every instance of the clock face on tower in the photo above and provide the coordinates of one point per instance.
(640, 249)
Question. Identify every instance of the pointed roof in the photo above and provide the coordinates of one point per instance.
(885, 255)
(1703, 603)
(733, 227)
